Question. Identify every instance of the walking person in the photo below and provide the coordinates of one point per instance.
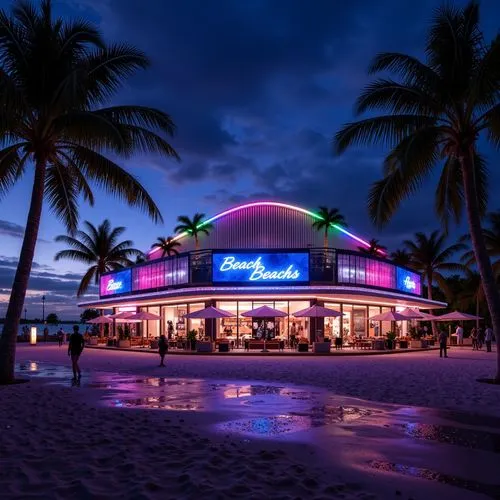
(480, 338)
(443, 338)
(460, 335)
(60, 337)
(162, 349)
(473, 336)
(45, 334)
(75, 348)
(488, 337)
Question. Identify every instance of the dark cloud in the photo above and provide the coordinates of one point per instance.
(10, 229)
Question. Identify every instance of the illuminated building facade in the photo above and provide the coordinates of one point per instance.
(265, 253)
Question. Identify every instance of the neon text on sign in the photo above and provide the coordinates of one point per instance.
(262, 267)
(114, 286)
(114, 283)
(408, 281)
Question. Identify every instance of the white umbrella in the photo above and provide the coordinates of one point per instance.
(121, 315)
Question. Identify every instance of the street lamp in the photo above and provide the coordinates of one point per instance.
(43, 308)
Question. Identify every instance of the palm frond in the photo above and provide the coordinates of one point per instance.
(115, 180)
(86, 280)
(62, 192)
(384, 130)
(75, 255)
(406, 167)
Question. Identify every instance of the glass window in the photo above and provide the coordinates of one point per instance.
(374, 329)
(198, 325)
(333, 325)
(386, 325)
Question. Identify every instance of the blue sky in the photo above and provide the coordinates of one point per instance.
(256, 89)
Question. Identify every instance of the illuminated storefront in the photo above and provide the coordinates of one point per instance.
(265, 253)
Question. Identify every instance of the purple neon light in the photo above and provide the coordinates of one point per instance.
(273, 204)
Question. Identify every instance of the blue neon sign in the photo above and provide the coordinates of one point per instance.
(115, 283)
(408, 282)
(260, 268)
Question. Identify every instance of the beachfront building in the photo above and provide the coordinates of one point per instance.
(264, 253)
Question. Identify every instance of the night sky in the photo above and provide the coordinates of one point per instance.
(256, 88)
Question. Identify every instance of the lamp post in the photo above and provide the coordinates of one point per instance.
(43, 308)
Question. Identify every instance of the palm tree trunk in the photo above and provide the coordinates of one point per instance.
(482, 258)
(430, 279)
(325, 239)
(18, 293)
(196, 243)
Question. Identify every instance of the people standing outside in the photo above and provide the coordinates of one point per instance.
(45, 334)
(75, 348)
(480, 338)
(162, 349)
(60, 337)
(443, 338)
(473, 336)
(488, 337)
(293, 335)
(460, 335)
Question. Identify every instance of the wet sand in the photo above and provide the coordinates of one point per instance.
(133, 431)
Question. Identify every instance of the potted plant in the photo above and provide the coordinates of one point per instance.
(416, 338)
(124, 337)
(303, 345)
(391, 340)
(223, 345)
(191, 339)
(403, 343)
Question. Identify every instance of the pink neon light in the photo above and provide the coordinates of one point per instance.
(273, 204)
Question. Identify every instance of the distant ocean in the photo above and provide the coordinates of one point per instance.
(53, 329)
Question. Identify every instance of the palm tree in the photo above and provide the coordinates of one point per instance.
(330, 217)
(401, 258)
(436, 110)
(98, 247)
(193, 227)
(167, 246)
(375, 248)
(56, 80)
(430, 256)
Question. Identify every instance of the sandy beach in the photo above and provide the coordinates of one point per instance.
(59, 441)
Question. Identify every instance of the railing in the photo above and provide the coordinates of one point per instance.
(325, 267)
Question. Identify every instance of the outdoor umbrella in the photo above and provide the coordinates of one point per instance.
(100, 320)
(389, 316)
(317, 312)
(121, 315)
(212, 313)
(456, 316)
(143, 316)
(265, 312)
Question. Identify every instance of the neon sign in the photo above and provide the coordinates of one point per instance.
(259, 268)
(114, 286)
(115, 283)
(408, 281)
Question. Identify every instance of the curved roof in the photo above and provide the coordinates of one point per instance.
(268, 224)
